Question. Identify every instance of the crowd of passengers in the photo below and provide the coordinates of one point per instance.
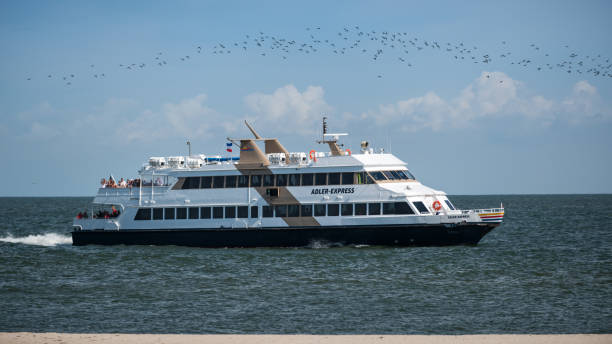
(122, 183)
(101, 214)
(129, 183)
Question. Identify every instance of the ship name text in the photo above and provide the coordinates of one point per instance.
(332, 191)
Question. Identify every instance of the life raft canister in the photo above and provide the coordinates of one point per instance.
(313, 155)
(437, 205)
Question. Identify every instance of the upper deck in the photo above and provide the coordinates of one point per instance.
(321, 161)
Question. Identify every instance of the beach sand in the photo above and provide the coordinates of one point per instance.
(79, 338)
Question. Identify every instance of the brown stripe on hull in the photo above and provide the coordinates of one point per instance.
(284, 197)
(301, 221)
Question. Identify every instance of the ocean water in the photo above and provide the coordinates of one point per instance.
(547, 269)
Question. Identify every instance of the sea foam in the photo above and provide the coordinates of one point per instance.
(49, 239)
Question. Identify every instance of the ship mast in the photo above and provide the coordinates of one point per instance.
(332, 140)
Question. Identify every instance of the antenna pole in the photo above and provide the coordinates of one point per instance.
(189, 145)
(324, 127)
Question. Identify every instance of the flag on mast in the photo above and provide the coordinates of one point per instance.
(228, 147)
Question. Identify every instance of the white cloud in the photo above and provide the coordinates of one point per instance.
(289, 109)
(491, 95)
(189, 118)
(584, 103)
(42, 132)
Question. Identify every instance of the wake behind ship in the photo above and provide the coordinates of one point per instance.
(274, 198)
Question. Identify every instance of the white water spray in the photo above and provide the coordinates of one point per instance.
(49, 239)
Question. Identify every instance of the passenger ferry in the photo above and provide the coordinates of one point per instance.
(275, 198)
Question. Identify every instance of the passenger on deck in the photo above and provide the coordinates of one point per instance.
(122, 183)
(103, 183)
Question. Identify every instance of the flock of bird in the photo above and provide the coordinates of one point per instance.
(375, 46)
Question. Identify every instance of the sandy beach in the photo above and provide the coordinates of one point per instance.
(78, 338)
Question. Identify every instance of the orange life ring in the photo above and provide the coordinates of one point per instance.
(437, 205)
(313, 155)
(349, 151)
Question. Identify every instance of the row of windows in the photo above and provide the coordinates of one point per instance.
(290, 210)
(296, 179)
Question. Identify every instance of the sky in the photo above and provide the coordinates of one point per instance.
(491, 97)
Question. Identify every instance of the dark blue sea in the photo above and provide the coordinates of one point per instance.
(546, 269)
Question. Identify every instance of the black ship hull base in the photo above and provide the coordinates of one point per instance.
(395, 235)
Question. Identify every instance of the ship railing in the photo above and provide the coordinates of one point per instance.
(96, 223)
(117, 192)
(132, 192)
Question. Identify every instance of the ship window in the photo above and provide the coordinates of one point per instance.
(294, 180)
(218, 182)
(194, 213)
(449, 204)
(268, 180)
(272, 192)
(319, 209)
(293, 210)
(254, 212)
(373, 208)
(281, 180)
(401, 174)
(396, 175)
(230, 181)
(143, 214)
(267, 211)
(243, 212)
(389, 175)
(280, 211)
(347, 209)
(403, 208)
(377, 175)
(347, 178)
(181, 213)
(255, 180)
(307, 179)
(405, 174)
(320, 178)
(306, 210)
(218, 212)
(421, 207)
(364, 178)
(243, 181)
(206, 183)
(169, 213)
(205, 212)
(360, 208)
(334, 179)
(369, 179)
(191, 183)
(158, 213)
(230, 212)
(388, 208)
(333, 209)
